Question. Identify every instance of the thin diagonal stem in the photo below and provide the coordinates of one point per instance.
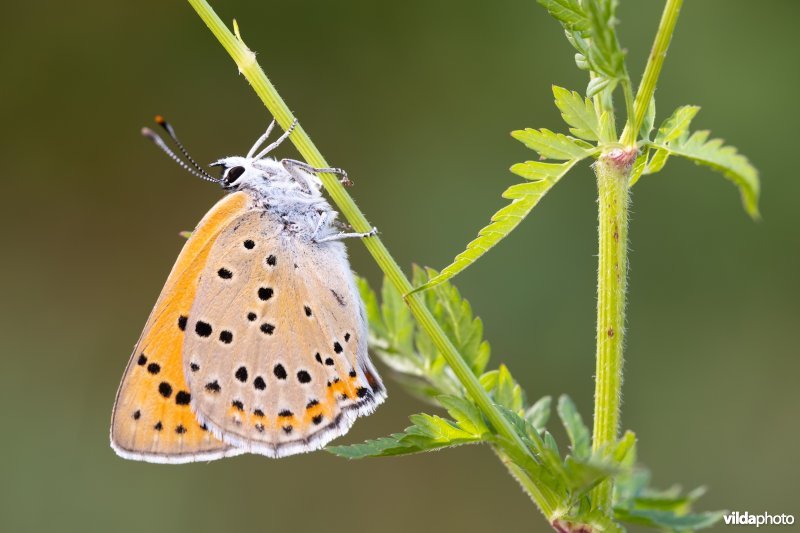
(246, 61)
(652, 71)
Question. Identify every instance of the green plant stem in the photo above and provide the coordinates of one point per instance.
(652, 71)
(250, 69)
(612, 170)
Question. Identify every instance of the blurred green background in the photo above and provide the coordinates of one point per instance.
(416, 100)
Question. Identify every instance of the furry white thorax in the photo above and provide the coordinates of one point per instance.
(290, 194)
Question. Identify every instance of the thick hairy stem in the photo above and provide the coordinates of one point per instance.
(612, 170)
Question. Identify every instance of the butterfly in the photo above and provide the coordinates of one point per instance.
(258, 341)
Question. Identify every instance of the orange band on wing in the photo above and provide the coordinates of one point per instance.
(152, 419)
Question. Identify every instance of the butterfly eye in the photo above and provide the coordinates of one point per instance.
(233, 175)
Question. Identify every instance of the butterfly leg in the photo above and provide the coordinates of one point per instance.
(340, 236)
(321, 222)
(261, 140)
(292, 164)
(278, 141)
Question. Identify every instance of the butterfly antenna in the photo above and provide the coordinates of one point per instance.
(161, 121)
(153, 136)
(278, 141)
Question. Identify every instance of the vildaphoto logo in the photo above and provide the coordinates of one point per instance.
(764, 519)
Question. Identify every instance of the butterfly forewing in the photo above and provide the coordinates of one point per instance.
(276, 342)
(152, 419)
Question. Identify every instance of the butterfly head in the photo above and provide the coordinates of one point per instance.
(238, 171)
(250, 173)
(254, 171)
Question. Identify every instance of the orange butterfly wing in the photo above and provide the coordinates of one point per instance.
(152, 420)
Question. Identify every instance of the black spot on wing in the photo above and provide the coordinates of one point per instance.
(165, 389)
(203, 329)
(183, 398)
(265, 293)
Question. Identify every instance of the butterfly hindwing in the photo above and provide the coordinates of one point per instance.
(276, 341)
(152, 420)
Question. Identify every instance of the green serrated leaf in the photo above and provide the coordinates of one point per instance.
(624, 447)
(656, 161)
(438, 429)
(370, 299)
(605, 54)
(546, 451)
(372, 448)
(667, 520)
(568, 12)
(576, 430)
(550, 443)
(427, 433)
(649, 120)
(552, 145)
(539, 413)
(673, 138)
(639, 165)
(396, 318)
(489, 380)
(608, 130)
(593, 20)
(578, 42)
(583, 475)
(677, 124)
(465, 413)
(578, 112)
(524, 197)
(454, 314)
(508, 392)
